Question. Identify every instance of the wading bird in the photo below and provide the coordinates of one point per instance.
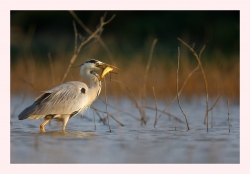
(68, 99)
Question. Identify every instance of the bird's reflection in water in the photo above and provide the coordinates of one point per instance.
(68, 134)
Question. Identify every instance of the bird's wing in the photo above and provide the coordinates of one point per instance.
(67, 98)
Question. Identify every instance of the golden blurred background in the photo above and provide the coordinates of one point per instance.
(43, 43)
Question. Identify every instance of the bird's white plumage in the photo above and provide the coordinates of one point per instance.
(63, 99)
(66, 100)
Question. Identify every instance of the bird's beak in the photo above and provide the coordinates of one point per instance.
(107, 69)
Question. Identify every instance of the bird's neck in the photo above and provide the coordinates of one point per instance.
(94, 84)
(94, 89)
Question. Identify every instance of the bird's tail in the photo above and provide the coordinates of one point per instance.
(27, 112)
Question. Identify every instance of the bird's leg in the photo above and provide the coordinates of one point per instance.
(44, 123)
(65, 121)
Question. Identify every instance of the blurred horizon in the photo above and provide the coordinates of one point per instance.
(130, 31)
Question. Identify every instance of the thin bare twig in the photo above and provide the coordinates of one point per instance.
(101, 119)
(166, 113)
(182, 87)
(132, 97)
(147, 69)
(147, 107)
(108, 115)
(90, 33)
(202, 49)
(80, 22)
(184, 83)
(146, 76)
(118, 111)
(108, 21)
(106, 101)
(178, 89)
(115, 119)
(211, 109)
(76, 36)
(156, 108)
(216, 101)
(92, 36)
(229, 125)
(212, 118)
(203, 73)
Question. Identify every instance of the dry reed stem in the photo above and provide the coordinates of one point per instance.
(132, 97)
(115, 119)
(147, 107)
(106, 101)
(146, 74)
(90, 33)
(106, 104)
(93, 35)
(101, 119)
(167, 113)
(156, 108)
(212, 118)
(202, 49)
(114, 92)
(180, 91)
(218, 98)
(229, 125)
(203, 73)
(211, 109)
(76, 36)
(110, 115)
(184, 83)
(80, 22)
(147, 69)
(177, 90)
(119, 111)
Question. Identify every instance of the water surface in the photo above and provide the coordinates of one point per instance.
(88, 140)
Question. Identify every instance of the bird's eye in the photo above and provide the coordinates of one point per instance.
(93, 72)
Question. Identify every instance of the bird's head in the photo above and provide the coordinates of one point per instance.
(96, 68)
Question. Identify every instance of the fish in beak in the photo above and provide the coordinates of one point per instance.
(107, 69)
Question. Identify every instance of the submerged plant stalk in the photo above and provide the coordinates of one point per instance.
(229, 125)
(204, 76)
(178, 89)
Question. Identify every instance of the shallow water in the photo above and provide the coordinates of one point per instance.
(89, 141)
